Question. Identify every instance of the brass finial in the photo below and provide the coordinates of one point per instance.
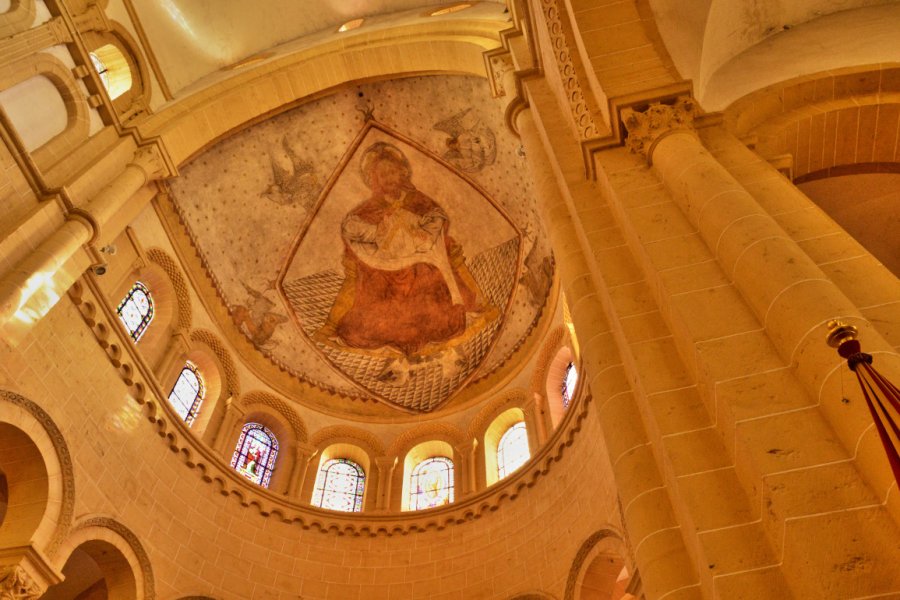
(840, 332)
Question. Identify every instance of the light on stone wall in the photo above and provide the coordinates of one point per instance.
(450, 9)
(38, 297)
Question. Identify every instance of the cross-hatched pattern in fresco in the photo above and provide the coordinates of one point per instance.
(420, 386)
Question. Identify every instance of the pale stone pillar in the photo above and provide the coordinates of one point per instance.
(790, 295)
(536, 420)
(660, 551)
(177, 348)
(466, 467)
(385, 466)
(303, 454)
(234, 414)
(33, 287)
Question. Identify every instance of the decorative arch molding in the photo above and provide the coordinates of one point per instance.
(341, 433)
(423, 433)
(110, 530)
(63, 459)
(514, 398)
(259, 397)
(161, 258)
(77, 129)
(18, 18)
(215, 345)
(552, 343)
(138, 96)
(582, 555)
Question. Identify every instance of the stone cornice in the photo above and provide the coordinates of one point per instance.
(210, 467)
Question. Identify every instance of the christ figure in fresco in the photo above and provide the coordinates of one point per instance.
(406, 282)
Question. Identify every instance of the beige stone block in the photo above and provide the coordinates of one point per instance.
(659, 221)
(617, 266)
(660, 365)
(678, 252)
(886, 320)
(736, 549)
(831, 248)
(631, 299)
(664, 563)
(697, 451)
(646, 326)
(605, 238)
(855, 549)
(713, 312)
(648, 513)
(753, 349)
(651, 194)
(698, 276)
(863, 280)
(678, 410)
(636, 473)
(753, 585)
(623, 424)
(716, 499)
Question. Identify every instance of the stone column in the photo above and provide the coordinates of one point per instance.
(303, 454)
(466, 467)
(535, 422)
(663, 549)
(33, 287)
(177, 348)
(385, 466)
(791, 297)
(224, 441)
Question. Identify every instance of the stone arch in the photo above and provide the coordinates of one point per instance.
(184, 315)
(552, 343)
(281, 408)
(447, 432)
(480, 426)
(137, 96)
(77, 126)
(18, 18)
(345, 441)
(596, 566)
(218, 367)
(426, 438)
(46, 458)
(122, 560)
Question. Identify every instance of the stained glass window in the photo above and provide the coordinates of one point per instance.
(136, 310)
(340, 485)
(187, 394)
(431, 483)
(569, 383)
(512, 451)
(254, 456)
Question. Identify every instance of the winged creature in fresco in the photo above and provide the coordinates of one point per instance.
(294, 181)
(406, 285)
(471, 146)
(256, 318)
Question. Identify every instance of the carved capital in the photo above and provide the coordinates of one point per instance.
(17, 584)
(150, 161)
(646, 128)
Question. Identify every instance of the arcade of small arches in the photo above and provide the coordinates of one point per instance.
(338, 468)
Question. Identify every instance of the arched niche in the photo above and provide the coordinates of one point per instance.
(419, 453)
(553, 391)
(24, 487)
(347, 451)
(127, 80)
(492, 436)
(600, 570)
(284, 434)
(95, 570)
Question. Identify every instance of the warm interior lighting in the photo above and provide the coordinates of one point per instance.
(450, 9)
(250, 60)
(350, 25)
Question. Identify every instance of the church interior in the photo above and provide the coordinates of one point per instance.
(424, 299)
